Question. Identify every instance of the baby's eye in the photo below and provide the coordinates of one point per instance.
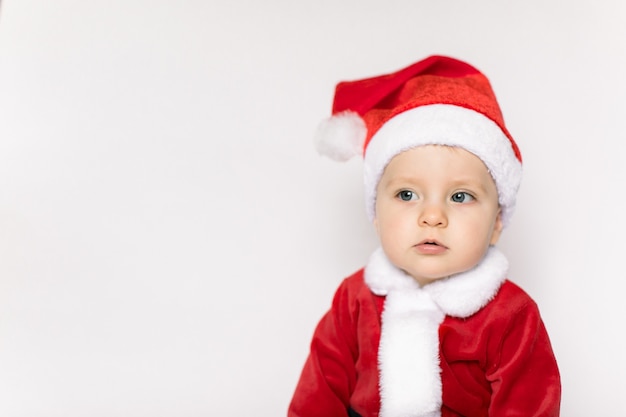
(462, 197)
(406, 195)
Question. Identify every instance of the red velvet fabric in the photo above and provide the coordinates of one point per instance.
(434, 80)
(496, 363)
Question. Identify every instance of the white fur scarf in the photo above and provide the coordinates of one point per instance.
(408, 355)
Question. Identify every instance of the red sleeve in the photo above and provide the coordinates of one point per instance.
(329, 375)
(524, 378)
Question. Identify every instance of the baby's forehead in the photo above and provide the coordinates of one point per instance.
(436, 147)
(441, 161)
(430, 152)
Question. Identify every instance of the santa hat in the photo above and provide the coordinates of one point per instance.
(436, 101)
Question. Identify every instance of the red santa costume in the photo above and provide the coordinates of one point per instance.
(472, 344)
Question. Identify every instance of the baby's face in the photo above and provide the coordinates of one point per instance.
(437, 211)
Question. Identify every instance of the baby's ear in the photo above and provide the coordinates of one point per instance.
(497, 228)
(375, 223)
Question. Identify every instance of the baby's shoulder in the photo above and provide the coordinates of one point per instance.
(354, 283)
(510, 300)
(353, 290)
(511, 293)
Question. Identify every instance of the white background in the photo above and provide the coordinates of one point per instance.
(169, 236)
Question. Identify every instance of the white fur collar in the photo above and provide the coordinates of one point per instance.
(408, 355)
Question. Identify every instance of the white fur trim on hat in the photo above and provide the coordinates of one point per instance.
(445, 124)
(341, 136)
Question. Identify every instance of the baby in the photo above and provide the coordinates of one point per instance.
(431, 326)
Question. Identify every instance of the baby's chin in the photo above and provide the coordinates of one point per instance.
(424, 280)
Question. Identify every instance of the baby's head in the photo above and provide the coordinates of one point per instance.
(436, 101)
(441, 170)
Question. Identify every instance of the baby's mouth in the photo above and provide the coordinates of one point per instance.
(431, 247)
(432, 242)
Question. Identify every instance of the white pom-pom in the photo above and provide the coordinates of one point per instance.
(342, 136)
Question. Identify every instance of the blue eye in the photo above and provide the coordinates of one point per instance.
(406, 195)
(461, 197)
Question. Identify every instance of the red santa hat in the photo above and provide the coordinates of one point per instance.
(438, 100)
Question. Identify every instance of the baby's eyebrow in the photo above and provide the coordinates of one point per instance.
(469, 182)
(396, 181)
